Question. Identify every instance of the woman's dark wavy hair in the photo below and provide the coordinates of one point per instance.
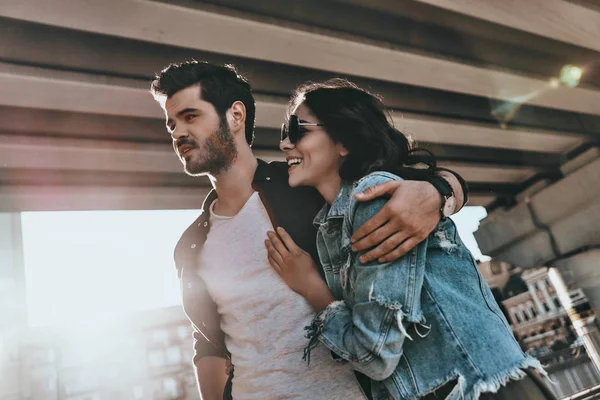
(361, 123)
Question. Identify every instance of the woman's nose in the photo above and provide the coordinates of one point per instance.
(286, 145)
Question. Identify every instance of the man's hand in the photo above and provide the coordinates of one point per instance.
(404, 221)
(297, 269)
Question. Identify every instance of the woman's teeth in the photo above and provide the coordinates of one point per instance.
(294, 161)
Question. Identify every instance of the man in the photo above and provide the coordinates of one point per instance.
(238, 306)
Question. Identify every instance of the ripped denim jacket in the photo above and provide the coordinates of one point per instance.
(414, 324)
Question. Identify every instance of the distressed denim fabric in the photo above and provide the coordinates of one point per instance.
(414, 324)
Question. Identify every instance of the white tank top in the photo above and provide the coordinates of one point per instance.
(263, 320)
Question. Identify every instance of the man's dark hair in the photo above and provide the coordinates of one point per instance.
(360, 122)
(220, 85)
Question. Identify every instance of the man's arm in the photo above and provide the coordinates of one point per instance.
(211, 375)
(211, 369)
(410, 215)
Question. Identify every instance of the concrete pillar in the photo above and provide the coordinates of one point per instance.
(547, 299)
(532, 309)
(521, 314)
(585, 324)
(583, 271)
(12, 305)
(536, 300)
(513, 316)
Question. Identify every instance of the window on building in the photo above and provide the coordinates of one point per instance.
(557, 302)
(171, 387)
(160, 337)
(183, 332)
(546, 307)
(174, 355)
(156, 358)
(518, 318)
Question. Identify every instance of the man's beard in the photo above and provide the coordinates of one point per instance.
(217, 153)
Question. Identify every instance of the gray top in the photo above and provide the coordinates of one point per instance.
(263, 320)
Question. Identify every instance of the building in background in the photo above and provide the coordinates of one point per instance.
(146, 355)
(539, 321)
(541, 325)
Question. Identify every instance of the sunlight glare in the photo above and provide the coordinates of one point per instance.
(91, 264)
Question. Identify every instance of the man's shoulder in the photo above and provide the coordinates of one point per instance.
(277, 172)
(280, 165)
(195, 233)
(280, 168)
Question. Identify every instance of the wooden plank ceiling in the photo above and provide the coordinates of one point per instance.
(475, 83)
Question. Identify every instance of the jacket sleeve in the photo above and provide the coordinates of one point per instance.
(369, 327)
(202, 346)
(197, 302)
(201, 310)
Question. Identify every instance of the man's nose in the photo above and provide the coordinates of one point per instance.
(178, 133)
(286, 145)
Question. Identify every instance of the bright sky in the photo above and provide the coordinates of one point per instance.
(467, 222)
(88, 264)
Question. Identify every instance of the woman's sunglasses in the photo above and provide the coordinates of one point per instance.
(293, 130)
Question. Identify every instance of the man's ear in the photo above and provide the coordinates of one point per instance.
(236, 115)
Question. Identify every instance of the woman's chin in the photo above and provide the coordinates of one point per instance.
(295, 181)
(292, 182)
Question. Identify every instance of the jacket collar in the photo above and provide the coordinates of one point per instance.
(339, 207)
(264, 171)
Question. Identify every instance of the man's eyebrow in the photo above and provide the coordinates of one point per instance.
(181, 113)
(187, 110)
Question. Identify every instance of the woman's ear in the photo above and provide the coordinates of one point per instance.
(343, 151)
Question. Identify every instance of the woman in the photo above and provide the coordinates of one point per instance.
(423, 326)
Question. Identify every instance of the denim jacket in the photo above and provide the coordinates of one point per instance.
(417, 323)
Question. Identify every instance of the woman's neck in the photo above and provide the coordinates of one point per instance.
(329, 187)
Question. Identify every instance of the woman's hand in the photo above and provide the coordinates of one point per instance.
(297, 269)
(295, 266)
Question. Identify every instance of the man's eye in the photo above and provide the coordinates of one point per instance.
(170, 128)
(189, 117)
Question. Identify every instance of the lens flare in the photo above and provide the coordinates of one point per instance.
(570, 75)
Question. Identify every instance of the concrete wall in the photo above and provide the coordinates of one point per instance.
(567, 211)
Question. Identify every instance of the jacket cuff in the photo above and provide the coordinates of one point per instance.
(463, 185)
(203, 348)
(317, 326)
